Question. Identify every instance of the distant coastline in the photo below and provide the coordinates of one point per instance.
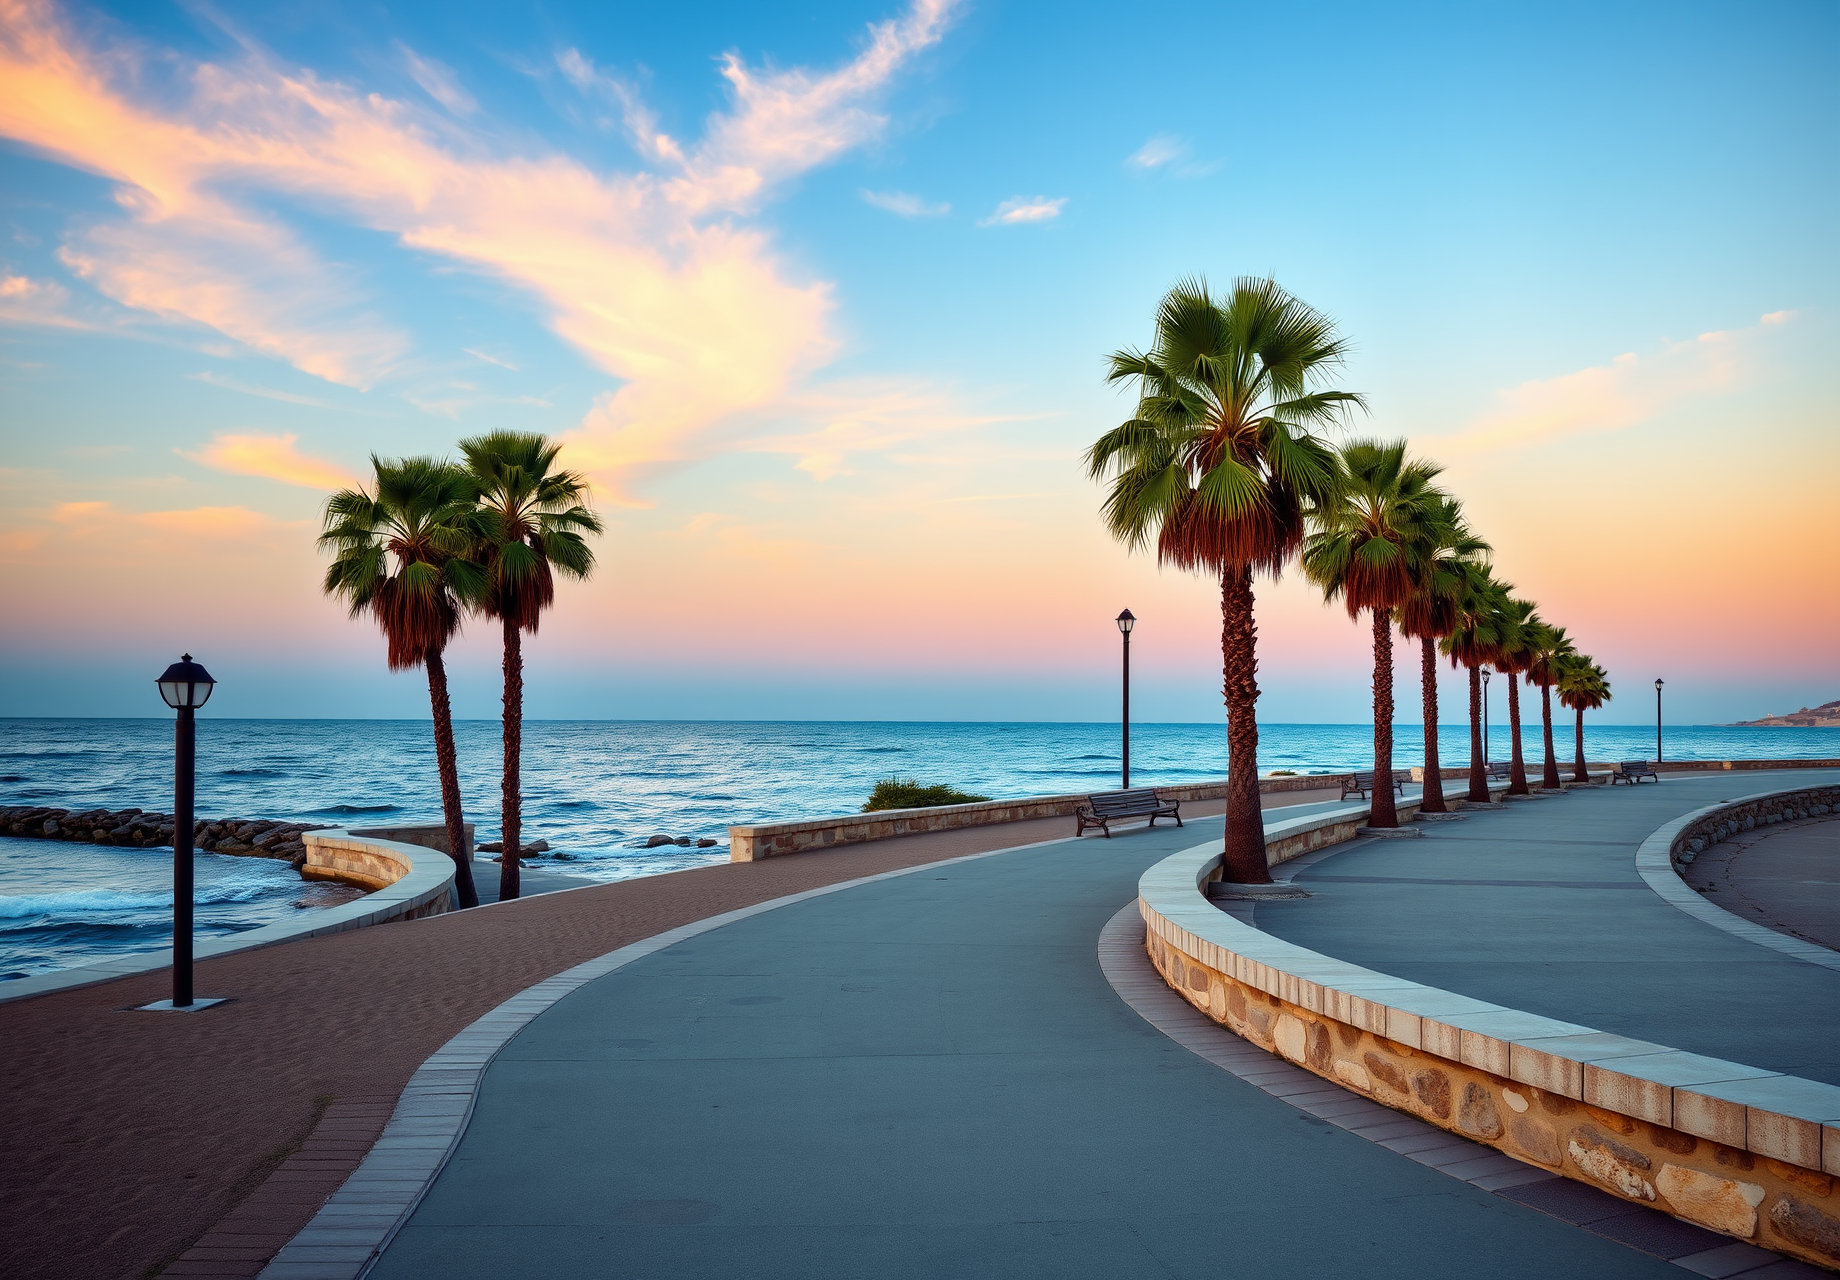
(1825, 716)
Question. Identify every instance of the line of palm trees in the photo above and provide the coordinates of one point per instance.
(435, 540)
(1222, 471)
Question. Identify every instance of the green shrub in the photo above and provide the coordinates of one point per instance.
(1282, 773)
(907, 793)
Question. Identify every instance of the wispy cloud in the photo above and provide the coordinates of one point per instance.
(1020, 209)
(865, 416)
(267, 393)
(438, 81)
(271, 457)
(1168, 152)
(1160, 150)
(653, 275)
(491, 359)
(905, 204)
(38, 303)
(1626, 392)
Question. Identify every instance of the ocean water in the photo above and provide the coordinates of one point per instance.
(64, 904)
(597, 789)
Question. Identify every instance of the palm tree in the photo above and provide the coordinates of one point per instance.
(1368, 531)
(1516, 632)
(1471, 644)
(1551, 647)
(1216, 468)
(529, 525)
(1443, 559)
(1583, 686)
(399, 554)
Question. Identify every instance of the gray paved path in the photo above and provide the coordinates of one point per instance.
(929, 1077)
(1785, 878)
(1538, 906)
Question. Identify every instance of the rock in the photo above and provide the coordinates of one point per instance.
(1478, 1116)
(1806, 1225)
(1289, 1037)
(1432, 1088)
(1352, 1074)
(659, 840)
(541, 846)
(1723, 1204)
(1384, 1073)
(1605, 1160)
(490, 846)
(563, 857)
(1535, 1139)
(705, 843)
(51, 826)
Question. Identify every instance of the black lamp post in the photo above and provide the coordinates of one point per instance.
(1485, 717)
(1657, 721)
(185, 686)
(1125, 622)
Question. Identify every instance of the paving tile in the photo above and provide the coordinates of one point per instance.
(1730, 1259)
(1658, 1234)
(1571, 1201)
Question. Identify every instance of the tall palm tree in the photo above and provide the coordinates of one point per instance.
(399, 554)
(1471, 644)
(1443, 559)
(530, 525)
(1583, 686)
(1369, 528)
(1516, 630)
(1551, 648)
(1215, 468)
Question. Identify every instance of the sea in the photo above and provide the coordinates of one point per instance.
(597, 791)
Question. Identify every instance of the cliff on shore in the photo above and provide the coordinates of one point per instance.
(1825, 716)
(137, 828)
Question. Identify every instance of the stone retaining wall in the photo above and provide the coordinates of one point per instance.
(420, 883)
(1721, 822)
(775, 839)
(1739, 1150)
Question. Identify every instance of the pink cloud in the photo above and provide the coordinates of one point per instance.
(273, 458)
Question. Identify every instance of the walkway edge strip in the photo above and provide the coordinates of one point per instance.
(356, 1224)
(1655, 864)
(1128, 970)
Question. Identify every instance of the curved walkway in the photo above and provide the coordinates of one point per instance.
(1785, 878)
(929, 1076)
(1539, 907)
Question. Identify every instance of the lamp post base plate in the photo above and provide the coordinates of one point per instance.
(167, 1006)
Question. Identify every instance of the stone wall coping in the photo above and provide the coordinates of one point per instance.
(1781, 1116)
(426, 878)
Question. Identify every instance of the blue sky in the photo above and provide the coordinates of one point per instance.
(1584, 254)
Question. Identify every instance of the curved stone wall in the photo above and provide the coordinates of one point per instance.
(407, 881)
(1743, 1151)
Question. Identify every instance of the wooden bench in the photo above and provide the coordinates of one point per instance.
(1633, 771)
(1110, 806)
(1501, 771)
(1365, 780)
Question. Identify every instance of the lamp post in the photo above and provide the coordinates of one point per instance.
(1485, 717)
(1125, 622)
(1657, 720)
(185, 686)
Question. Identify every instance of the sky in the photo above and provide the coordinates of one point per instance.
(818, 297)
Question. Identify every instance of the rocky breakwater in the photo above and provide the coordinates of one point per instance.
(138, 828)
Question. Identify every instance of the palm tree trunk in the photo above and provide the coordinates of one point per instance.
(512, 815)
(447, 764)
(1383, 813)
(1579, 772)
(1243, 858)
(1517, 773)
(1478, 774)
(1432, 800)
(1550, 779)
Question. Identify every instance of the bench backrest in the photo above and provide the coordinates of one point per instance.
(1365, 777)
(1134, 800)
(1636, 766)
